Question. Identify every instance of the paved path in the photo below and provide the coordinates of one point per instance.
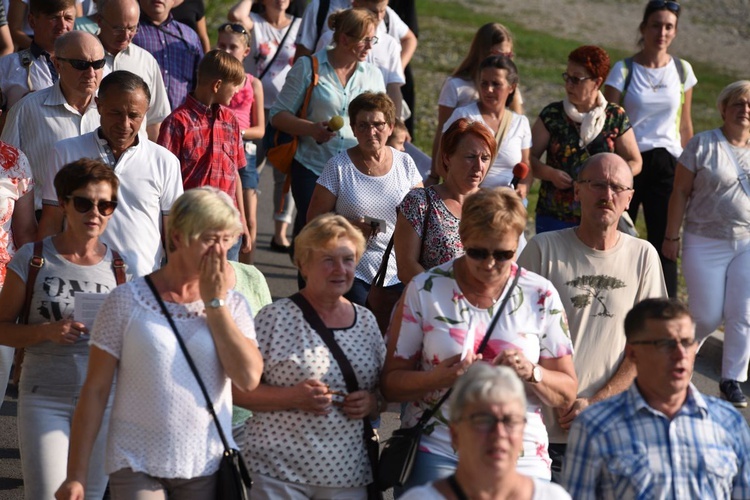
(281, 277)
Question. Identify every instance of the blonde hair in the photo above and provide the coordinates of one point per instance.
(492, 212)
(321, 232)
(731, 93)
(353, 23)
(199, 210)
(218, 65)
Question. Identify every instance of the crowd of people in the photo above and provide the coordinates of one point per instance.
(130, 154)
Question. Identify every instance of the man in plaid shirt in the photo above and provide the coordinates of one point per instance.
(661, 438)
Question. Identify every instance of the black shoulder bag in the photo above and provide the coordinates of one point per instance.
(400, 451)
(234, 481)
(371, 441)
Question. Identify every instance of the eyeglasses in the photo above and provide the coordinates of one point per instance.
(370, 41)
(82, 65)
(575, 80)
(667, 345)
(84, 205)
(121, 30)
(487, 422)
(365, 126)
(662, 4)
(602, 186)
(484, 254)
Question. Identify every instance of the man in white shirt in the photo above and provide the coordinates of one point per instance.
(600, 274)
(32, 69)
(149, 174)
(118, 24)
(66, 109)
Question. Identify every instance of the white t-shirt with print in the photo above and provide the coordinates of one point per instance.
(265, 43)
(653, 112)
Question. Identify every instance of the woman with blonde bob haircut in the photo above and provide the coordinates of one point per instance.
(715, 210)
(304, 406)
(161, 439)
(447, 312)
(483, 398)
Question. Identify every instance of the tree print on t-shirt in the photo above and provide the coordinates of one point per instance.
(594, 287)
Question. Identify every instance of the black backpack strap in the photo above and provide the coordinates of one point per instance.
(323, 7)
(628, 63)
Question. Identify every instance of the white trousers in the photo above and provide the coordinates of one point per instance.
(717, 274)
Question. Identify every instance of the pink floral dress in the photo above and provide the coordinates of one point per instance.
(15, 181)
(438, 320)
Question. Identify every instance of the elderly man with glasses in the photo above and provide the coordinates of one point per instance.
(661, 438)
(118, 25)
(600, 274)
(66, 109)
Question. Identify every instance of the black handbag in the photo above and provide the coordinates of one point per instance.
(400, 450)
(233, 481)
(350, 378)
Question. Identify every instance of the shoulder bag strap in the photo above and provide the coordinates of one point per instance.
(426, 221)
(281, 46)
(741, 174)
(427, 415)
(313, 82)
(325, 333)
(503, 127)
(189, 359)
(379, 279)
(320, 20)
(35, 264)
(118, 267)
(627, 65)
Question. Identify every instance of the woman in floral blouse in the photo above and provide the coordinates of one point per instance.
(571, 130)
(445, 317)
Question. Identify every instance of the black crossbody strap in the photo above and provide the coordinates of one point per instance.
(325, 333)
(189, 358)
(427, 415)
(276, 54)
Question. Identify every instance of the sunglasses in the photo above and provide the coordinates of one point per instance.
(237, 28)
(575, 80)
(484, 254)
(84, 205)
(82, 65)
(662, 4)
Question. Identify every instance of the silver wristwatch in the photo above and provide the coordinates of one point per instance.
(215, 303)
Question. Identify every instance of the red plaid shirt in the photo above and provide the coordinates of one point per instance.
(207, 142)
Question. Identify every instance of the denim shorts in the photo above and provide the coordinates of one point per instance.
(249, 175)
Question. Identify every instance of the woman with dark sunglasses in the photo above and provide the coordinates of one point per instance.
(55, 338)
(656, 90)
(447, 312)
(572, 130)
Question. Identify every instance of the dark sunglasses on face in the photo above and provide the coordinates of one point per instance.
(82, 65)
(661, 4)
(484, 254)
(84, 205)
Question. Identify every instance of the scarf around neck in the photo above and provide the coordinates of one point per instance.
(592, 122)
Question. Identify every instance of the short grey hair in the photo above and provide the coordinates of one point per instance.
(732, 93)
(201, 209)
(487, 383)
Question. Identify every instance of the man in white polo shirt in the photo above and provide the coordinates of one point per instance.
(149, 174)
(118, 24)
(66, 109)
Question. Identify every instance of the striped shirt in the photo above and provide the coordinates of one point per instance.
(623, 448)
(178, 51)
(38, 121)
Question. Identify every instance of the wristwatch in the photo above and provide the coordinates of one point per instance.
(536, 374)
(215, 303)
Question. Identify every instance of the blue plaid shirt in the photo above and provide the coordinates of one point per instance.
(177, 49)
(622, 448)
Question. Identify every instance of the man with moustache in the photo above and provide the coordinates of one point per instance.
(661, 438)
(600, 274)
(150, 178)
(118, 25)
(66, 109)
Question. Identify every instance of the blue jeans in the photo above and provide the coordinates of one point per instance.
(45, 415)
(546, 223)
(428, 467)
(249, 174)
(233, 253)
